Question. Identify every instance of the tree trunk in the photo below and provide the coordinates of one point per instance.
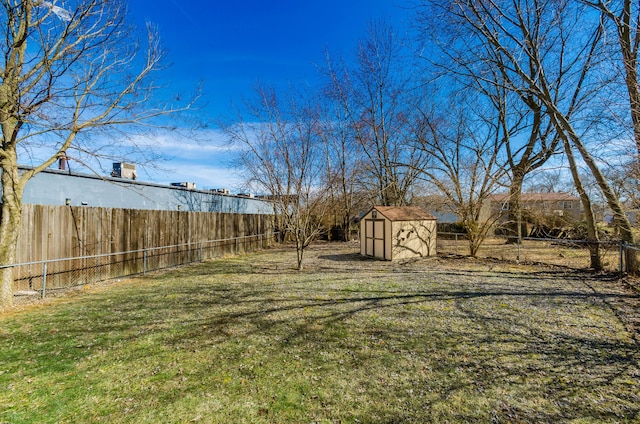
(346, 228)
(9, 229)
(592, 231)
(629, 50)
(474, 245)
(514, 226)
(626, 232)
(300, 254)
(475, 239)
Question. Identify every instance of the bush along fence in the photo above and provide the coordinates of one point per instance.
(564, 252)
(63, 246)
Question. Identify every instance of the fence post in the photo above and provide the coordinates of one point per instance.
(144, 261)
(518, 249)
(456, 243)
(44, 279)
(261, 246)
(201, 258)
(237, 245)
(621, 257)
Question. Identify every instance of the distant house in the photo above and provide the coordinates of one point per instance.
(560, 204)
(394, 232)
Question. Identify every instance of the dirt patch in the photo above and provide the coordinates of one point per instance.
(621, 293)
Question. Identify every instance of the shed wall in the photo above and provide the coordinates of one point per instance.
(413, 239)
(402, 239)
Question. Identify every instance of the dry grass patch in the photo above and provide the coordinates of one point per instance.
(558, 253)
(248, 339)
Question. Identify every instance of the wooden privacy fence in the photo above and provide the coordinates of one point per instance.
(62, 246)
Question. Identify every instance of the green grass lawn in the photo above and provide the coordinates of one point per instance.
(249, 340)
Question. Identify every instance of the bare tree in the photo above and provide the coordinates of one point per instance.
(343, 161)
(626, 181)
(65, 72)
(527, 134)
(624, 15)
(375, 96)
(547, 180)
(463, 144)
(622, 18)
(283, 158)
(529, 140)
(561, 43)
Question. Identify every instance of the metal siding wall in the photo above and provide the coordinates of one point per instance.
(53, 187)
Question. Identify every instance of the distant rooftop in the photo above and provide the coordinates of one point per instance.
(535, 197)
(62, 187)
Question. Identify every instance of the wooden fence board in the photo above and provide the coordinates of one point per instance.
(59, 232)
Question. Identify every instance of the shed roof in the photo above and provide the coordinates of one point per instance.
(404, 213)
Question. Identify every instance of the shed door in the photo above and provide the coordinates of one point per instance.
(374, 237)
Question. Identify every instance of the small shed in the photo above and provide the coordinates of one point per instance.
(397, 232)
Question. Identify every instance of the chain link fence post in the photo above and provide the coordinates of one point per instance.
(44, 279)
(84, 270)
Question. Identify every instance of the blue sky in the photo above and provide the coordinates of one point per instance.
(231, 45)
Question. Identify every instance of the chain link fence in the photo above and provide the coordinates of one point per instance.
(561, 252)
(42, 277)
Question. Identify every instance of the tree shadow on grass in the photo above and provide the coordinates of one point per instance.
(482, 346)
(469, 350)
(348, 257)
